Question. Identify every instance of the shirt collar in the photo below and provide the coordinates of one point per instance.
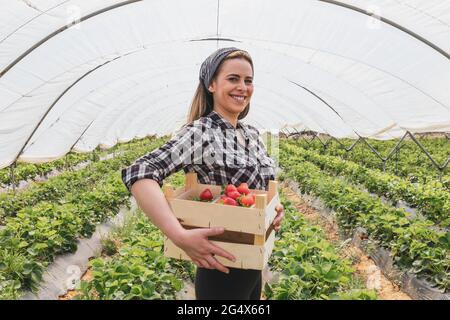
(222, 122)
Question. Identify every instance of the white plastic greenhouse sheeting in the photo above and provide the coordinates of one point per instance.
(128, 69)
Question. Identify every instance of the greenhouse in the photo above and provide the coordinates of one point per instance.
(349, 116)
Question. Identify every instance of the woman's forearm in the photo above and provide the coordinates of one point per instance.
(152, 201)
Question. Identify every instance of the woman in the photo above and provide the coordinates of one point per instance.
(222, 150)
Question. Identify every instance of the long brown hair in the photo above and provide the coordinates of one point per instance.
(203, 101)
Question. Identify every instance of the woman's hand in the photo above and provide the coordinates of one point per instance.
(197, 246)
(279, 217)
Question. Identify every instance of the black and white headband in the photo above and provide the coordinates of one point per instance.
(210, 65)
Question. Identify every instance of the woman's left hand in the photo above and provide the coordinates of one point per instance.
(279, 217)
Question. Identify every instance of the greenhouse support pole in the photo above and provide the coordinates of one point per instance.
(344, 147)
(424, 150)
(443, 167)
(316, 135)
(12, 176)
(374, 150)
(397, 147)
(397, 152)
(446, 163)
(288, 134)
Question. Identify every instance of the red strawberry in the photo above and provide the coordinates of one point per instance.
(243, 188)
(206, 195)
(229, 188)
(222, 199)
(246, 201)
(233, 194)
(229, 201)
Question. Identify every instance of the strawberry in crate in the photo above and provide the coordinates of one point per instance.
(205, 196)
(240, 196)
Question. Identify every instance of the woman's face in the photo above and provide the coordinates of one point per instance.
(233, 86)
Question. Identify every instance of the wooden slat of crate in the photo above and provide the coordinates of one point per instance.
(230, 236)
(247, 256)
(270, 244)
(270, 211)
(194, 213)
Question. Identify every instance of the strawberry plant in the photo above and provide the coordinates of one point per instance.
(431, 199)
(139, 269)
(389, 227)
(310, 266)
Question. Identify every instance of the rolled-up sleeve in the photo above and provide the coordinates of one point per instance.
(162, 162)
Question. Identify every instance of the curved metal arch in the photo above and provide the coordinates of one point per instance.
(354, 60)
(83, 76)
(327, 104)
(32, 19)
(74, 83)
(258, 85)
(59, 97)
(294, 57)
(158, 109)
(144, 96)
(67, 26)
(107, 62)
(224, 40)
(289, 101)
(391, 23)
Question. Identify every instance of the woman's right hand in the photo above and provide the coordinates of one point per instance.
(197, 246)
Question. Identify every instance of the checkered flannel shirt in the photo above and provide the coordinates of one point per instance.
(209, 147)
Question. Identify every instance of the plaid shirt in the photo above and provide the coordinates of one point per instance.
(208, 146)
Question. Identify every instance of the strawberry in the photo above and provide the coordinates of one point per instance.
(206, 195)
(222, 199)
(227, 200)
(243, 188)
(233, 194)
(231, 202)
(246, 200)
(229, 188)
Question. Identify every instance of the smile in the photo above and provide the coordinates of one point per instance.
(238, 98)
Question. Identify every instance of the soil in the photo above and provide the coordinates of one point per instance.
(87, 276)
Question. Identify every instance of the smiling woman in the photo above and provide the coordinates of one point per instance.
(221, 100)
(232, 88)
(228, 90)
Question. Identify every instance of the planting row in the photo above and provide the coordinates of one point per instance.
(133, 265)
(32, 238)
(431, 199)
(37, 232)
(56, 188)
(25, 171)
(414, 245)
(310, 266)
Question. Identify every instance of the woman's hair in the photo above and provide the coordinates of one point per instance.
(203, 102)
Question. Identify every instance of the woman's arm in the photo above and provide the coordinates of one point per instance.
(194, 242)
(152, 201)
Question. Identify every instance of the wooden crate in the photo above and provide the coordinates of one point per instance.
(249, 233)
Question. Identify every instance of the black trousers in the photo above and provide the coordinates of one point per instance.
(239, 284)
